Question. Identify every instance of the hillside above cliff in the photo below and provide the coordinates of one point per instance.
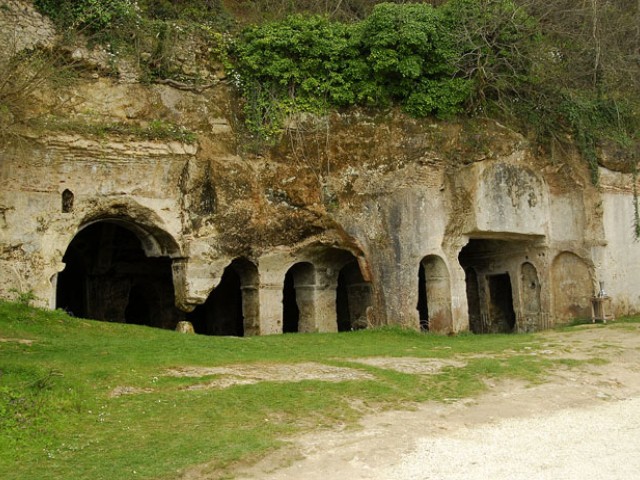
(556, 72)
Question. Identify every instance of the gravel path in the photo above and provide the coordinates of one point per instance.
(581, 424)
(601, 442)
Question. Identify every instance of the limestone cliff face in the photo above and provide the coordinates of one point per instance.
(353, 219)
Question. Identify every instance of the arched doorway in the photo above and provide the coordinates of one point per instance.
(572, 287)
(232, 307)
(353, 298)
(109, 277)
(298, 299)
(490, 299)
(434, 295)
(501, 311)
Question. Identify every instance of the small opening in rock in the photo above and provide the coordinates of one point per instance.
(67, 201)
(290, 310)
(423, 307)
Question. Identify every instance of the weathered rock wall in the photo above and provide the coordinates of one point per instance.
(444, 225)
(22, 27)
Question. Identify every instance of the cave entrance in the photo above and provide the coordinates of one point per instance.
(490, 293)
(501, 310)
(138, 309)
(434, 295)
(353, 298)
(109, 277)
(232, 307)
(298, 299)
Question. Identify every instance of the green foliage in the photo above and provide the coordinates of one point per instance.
(590, 120)
(22, 76)
(299, 64)
(154, 130)
(90, 15)
(400, 54)
(411, 58)
(554, 68)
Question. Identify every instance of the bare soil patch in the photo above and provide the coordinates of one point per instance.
(124, 390)
(410, 365)
(248, 374)
(579, 424)
(21, 341)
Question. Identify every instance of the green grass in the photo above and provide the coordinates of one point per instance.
(58, 420)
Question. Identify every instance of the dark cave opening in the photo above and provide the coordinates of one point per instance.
(222, 313)
(108, 277)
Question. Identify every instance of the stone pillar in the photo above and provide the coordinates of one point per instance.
(270, 306)
(325, 301)
(326, 315)
(458, 285)
(306, 298)
(438, 293)
(251, 309)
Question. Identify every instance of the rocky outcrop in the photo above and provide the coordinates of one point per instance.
(352, 220)
(22, 27)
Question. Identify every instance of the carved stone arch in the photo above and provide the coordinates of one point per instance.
(342, 292)
(155, 241)
(143, 222)
(110, 275)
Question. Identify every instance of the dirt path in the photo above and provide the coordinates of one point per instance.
(584, 423)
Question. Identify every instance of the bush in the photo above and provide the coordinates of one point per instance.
(300, 63)
(400, 54)
(411, 55)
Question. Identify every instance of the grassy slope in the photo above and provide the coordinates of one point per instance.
(57, 419)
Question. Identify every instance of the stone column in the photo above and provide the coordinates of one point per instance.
(325, 301)
(270, 305)
(306, 298)
(251, 309)
(458, 285)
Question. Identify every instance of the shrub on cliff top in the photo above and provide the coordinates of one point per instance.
(400, 54)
